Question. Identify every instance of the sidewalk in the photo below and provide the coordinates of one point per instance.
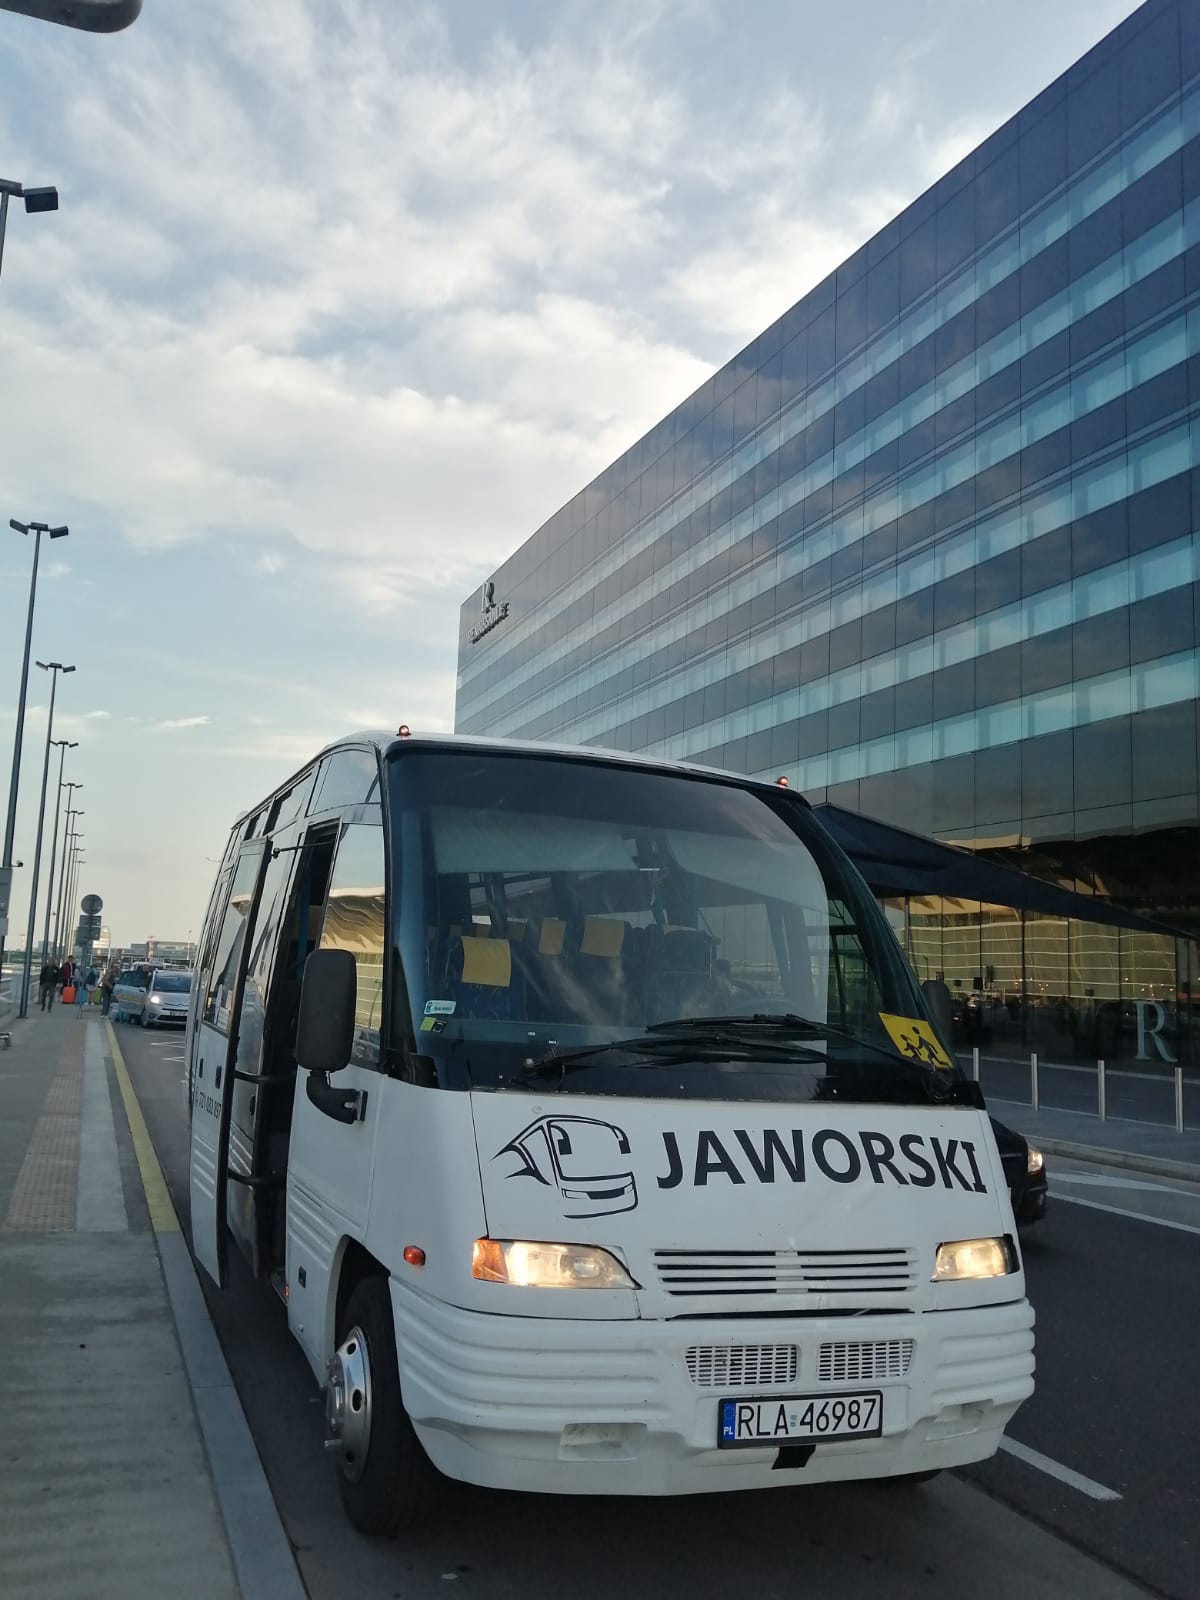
(107, 1486)
(1149, 1147)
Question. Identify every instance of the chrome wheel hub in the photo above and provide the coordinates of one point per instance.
(348, 1404)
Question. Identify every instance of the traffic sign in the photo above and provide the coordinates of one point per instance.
(92, 903)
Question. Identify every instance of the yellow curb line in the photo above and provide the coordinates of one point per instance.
(158, 1196)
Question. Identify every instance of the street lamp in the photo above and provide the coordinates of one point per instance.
(68, 944)
(68, 838)
(53, 668)
(80, 862)
(36, 200)
(10, 826)
(63, 746)
(73, 882)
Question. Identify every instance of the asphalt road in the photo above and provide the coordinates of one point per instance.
(1118, 1299)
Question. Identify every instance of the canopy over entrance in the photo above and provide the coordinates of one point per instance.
(895, 862)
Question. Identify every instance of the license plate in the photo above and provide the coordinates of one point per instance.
(799, 1419)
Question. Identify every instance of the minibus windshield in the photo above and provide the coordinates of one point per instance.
(575, 925)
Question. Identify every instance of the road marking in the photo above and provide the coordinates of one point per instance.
(158, 1197)
(1055, 1469)
(1120, 1211)
(1092, 1180)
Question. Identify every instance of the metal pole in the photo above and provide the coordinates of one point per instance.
(71, 895)
(68, 938)
(68, 846)
(64, 745)
(1102, 1090)
(975, 1062)
(1178, 1099)
(54, 669)
(1033, 1079)
(10, 826)
(79, 864)
(3, 221)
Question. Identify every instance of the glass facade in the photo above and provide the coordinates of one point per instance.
(930, 545)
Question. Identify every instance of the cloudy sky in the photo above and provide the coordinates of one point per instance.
(345, 297)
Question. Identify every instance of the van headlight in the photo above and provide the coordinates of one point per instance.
(1034, 1161)
(973, 1258)
(533, 1265)
(156, 999)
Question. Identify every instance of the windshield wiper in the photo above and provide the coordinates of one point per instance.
(659, 1045)
(939, 1083)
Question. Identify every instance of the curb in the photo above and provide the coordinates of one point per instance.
(264, 1562)
(1130, 1160)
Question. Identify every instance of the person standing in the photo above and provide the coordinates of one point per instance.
(85, 990)
(106, 989)
(65, 974)
(47, 978)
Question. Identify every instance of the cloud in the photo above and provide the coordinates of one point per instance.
(96, 716)
(268, 564)
(171, 724)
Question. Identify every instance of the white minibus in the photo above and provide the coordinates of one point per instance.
(590, 1122)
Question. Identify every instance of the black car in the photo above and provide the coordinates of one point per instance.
(1024, 1172)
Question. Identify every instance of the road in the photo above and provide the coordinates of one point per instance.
(1118, 1300)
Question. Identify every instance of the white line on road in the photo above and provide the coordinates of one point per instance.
(1120, 1211)
(1094, 1180)
(1055, 1469)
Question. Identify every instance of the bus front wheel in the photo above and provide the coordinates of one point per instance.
(386, 1481)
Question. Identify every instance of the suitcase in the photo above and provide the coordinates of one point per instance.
(68, 994)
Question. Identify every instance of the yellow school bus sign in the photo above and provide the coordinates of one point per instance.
(917, 1040)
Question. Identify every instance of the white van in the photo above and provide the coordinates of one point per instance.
(588, 1119)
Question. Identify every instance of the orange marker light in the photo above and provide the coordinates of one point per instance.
(414, 1255)
(782, 782)
(402, 730)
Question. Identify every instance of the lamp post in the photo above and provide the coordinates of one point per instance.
(80, 862)
(26, 528)
(53, 668)
(64, 745)
(73, 888)
(68, 936)
(44, 199)
(68, 845)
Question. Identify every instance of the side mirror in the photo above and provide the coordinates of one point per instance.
(328, 996)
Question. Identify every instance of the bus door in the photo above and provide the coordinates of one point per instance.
(332, 1155)
(215, 1049)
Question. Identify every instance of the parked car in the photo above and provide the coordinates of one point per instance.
(129, 993)
(166, 998)
(1024, 1172)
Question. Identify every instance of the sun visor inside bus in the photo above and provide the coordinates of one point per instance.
(490, 841)
(895, 862)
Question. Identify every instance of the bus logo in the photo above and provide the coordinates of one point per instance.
(584, 1159)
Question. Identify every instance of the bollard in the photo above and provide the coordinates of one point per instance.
(1102, 1090)
(975, 1062)
(1033, 1080)
(1178, 1099)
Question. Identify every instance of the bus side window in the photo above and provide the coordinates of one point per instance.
(229, 943)
(355, 921)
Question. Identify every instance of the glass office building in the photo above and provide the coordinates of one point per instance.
(929, 546)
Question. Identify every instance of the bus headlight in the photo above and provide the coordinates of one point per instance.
(533, 1265)
(1034, 1161)
(973, 1258)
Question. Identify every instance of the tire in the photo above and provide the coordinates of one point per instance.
(145, 1020)
(908, 1480)
(397, 1487)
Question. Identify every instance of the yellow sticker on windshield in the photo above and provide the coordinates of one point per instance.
(916, 1040)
